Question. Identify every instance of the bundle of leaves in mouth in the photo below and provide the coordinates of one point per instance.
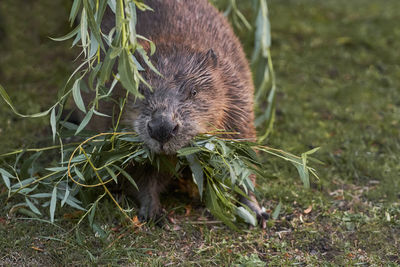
(220, 169)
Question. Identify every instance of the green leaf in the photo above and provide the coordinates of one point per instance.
(232, 174)
(101, 114)
(79, 174)
(92, 213)
(225, 149)
(125, 70)
(118, 17)
(6, 175)
(41, 195)
(79, 158)
(78, 236)
(57, 169)
(100, 12)
(76, 92)
(188, 151)
(139, 67)
(85, 121)
(112, 5)
(93, 75)
(27, 168)
(246, 216)
(215, 209)
(67, 36)
(6, 181)
(197, 172)
(73, 204)
(27, 212)
(53, 123)
(7, 99)
(111, 172)
(53, 203)
(74, 10)
(312, 151)
(210, 146)
(106, 67)
(303, 173)
(146, 59)
(277, 210)
(5, 95)
(94, 46)
(66, 195)
(22, 183)
(132, 23)
(99, 231)
(32, 206)
(77, 38)
(127, 176)
(115, 52)
(94, 27)
(84, 31)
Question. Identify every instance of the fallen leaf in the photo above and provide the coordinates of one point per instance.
(188, 209)
(308, 210)
(176, 227)
(171, 219)
(37, 249)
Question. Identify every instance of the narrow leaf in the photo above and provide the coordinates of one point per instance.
(67, 36)
(127, 176)
(188, 151)
(111, 172)
(94, 27)
(76, 92)
(79, 174)
(32, 206)
(65, 196)
(6, 175)
(246, 216)
(197, 172)
(53, 203)
(106, 67)
(53, 123)
(125, 70)
(6, 181)
(74, 10)
(7, 99)
(85, 121)
(277, 211)
(92, 213)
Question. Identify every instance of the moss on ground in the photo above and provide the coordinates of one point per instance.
(338, 76)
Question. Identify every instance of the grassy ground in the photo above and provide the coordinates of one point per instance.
(338, 74)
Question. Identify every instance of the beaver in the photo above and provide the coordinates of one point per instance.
(206, 84)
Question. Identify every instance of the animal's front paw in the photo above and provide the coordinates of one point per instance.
(262, 216)
(150, 212)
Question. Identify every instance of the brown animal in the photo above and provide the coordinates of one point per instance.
(206, 85)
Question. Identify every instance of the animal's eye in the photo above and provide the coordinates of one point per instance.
(194, 92)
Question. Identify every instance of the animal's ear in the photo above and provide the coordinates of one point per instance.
(208, 60)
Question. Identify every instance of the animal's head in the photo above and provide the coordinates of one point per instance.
(187, 100)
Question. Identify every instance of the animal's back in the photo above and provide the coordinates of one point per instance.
(193, 22)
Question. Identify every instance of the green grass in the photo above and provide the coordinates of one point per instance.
(338, 75)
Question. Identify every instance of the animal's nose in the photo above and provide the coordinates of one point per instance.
(162, 128)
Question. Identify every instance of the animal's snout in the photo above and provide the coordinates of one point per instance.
(162, 127)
